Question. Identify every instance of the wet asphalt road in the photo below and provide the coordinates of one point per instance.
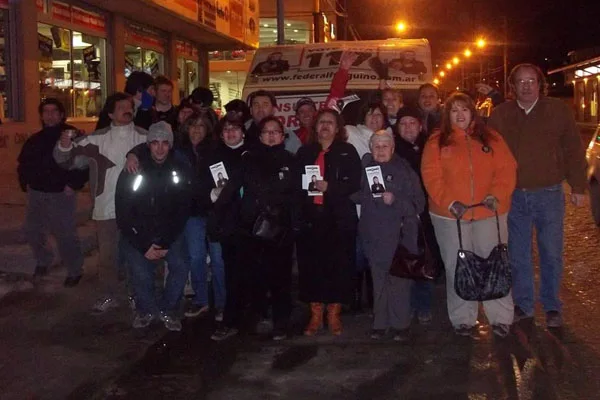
(532, 363)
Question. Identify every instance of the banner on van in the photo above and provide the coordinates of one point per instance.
(405, 64)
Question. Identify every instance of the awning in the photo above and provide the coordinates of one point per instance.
(592, 62)
(150, 13)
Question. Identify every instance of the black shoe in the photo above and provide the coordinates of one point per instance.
(72, 281)
(520, 315)
(40, 271)
(553, 319)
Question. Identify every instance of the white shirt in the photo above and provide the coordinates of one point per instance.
(528, 110)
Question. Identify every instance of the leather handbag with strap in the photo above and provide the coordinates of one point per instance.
(482, 278)
(420, 266)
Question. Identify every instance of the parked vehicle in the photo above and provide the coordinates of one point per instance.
(592, 155)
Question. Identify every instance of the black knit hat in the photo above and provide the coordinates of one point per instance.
(409, 111)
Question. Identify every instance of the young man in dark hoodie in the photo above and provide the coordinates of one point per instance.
(51, 199)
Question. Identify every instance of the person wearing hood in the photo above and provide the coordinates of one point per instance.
(51, 198)
(152, 208)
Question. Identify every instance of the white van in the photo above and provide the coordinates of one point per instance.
(295, 71)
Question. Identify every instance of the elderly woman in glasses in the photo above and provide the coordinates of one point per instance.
(386, 219)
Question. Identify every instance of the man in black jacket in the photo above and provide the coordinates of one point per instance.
(51, 199)
(152, 208)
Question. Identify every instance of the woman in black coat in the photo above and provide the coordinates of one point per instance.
(266, 187)
(326, 224)
(223, 216)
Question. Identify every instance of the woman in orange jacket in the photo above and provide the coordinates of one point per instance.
(466, 163)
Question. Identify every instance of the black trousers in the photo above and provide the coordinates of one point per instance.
(260, 271)
(326, 260)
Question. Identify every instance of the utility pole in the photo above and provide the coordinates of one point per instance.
(317, 30)
(505, 56)
(280, 24)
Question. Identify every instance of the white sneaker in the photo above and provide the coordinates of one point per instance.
(171, 323)
(142, 320)
(219, 316)
(104, 304)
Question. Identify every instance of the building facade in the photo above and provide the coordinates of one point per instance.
(583, 72)
(229, 69)
(81, 51)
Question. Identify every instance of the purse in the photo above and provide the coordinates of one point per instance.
(268, 225)
(482, 278)
(413, 266)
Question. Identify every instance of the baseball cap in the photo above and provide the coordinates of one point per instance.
(303, 102)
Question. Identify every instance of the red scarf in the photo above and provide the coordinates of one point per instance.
(320, 161)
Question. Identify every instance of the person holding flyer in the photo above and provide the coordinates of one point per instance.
(326, 224)
(387, 218)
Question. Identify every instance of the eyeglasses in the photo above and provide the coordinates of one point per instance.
(271, 133)
(530, 81)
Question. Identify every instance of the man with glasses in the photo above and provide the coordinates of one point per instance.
(544, 139)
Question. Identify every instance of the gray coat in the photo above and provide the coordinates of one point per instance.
(380, 225)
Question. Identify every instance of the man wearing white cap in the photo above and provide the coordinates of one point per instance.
(152, 208)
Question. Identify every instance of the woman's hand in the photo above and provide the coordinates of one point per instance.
(321, 186)
(388, 198)
(347, 59)
(132, 165)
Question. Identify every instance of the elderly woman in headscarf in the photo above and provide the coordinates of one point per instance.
(386, 219)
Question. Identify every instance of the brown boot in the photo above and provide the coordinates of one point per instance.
(333, 319)
(316, 319)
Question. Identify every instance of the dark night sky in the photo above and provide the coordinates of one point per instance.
(536, 28)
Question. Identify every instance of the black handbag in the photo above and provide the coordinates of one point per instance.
(420, 266)
(479, 279)
(268, 225)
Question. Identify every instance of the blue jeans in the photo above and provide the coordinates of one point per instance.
(195, 237)
(143, 277)
(543, 209)
(421, 295)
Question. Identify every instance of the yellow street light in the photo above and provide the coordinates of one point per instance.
(468, 53)
(481, 43)
(401, 26)
(455, 60)
(436, 81)
(448, 66)
(442, 74)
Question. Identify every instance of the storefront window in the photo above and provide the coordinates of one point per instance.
(4, 67)
(72, 69)
(295, 32)
(227, 86)
(140, 59)
(188, 76)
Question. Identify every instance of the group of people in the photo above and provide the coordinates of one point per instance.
(176, 184)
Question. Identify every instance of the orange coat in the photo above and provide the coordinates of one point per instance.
(464, 172)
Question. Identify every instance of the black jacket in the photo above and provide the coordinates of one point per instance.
(223, 214)
(411, 152)
(38, 169)
(153, 207)
(267, 183)
(343, 172)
